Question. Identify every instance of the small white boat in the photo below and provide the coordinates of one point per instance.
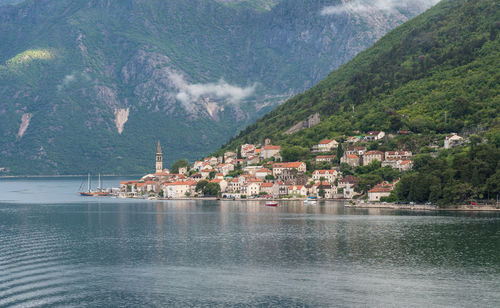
(310, 201)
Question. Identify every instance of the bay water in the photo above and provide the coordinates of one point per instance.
(60, 249)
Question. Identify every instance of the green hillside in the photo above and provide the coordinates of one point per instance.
(92, 85)
(437, 73)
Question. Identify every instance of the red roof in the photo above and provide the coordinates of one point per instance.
(129, 182)
(374, 153)
(272, 147)
(326, 141)
(254, 180)
(296, 186)
(288, 165)
(380, 189)
(326, 156)
(162, 173)
(267, 185)
(263, 170)
(323, 184)
(189, 183)
(352, 156)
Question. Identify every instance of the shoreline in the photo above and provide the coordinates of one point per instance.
(61, 176)
(423, 207)
(389, 206)
(228, 199)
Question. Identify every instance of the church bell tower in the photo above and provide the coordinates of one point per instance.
(159, 159)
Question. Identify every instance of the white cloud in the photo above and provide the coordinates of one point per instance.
(66, 81)
(190, 93)
(363, 6)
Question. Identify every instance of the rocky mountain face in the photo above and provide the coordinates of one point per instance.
(92, 85)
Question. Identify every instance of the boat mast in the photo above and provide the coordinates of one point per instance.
(88, 182)
(99, 187)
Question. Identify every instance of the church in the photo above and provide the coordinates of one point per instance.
(159, 159)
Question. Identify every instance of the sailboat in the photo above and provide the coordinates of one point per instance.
(94, 193)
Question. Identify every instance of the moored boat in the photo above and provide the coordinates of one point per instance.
(96, 193)
(272, 203)
(310, 201)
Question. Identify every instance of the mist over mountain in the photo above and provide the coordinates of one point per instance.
(91, 85)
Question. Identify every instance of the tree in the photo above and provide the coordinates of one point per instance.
(340, 153)
(238, 153)
(208, 188)
(345, 169)
(211, 189)
(200, 186)
(270, 177)
(493, 184)
(212, 174)
(367, 182)
(179, 164)
(321, 191)
(294, 153)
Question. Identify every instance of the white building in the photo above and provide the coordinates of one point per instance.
(453, 140)
(326, 145)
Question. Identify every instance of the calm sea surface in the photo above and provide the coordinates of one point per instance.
(60, 249)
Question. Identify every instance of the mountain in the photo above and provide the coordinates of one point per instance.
(5, 2)
(438, 73)
(93, 84)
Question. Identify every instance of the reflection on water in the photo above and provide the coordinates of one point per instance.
(111, 252)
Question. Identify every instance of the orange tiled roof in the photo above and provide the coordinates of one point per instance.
(263, 170)
(380, 189)
(374, 153)
(272, 147)
(326, 156)
(296, 164)
(189, 183)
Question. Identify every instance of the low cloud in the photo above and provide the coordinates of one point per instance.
(190, 93)
(66, 81)
(363, 6)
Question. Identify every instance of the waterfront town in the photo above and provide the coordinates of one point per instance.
(259, 171)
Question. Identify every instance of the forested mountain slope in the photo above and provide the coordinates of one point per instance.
(93, 84)
(438, 73)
